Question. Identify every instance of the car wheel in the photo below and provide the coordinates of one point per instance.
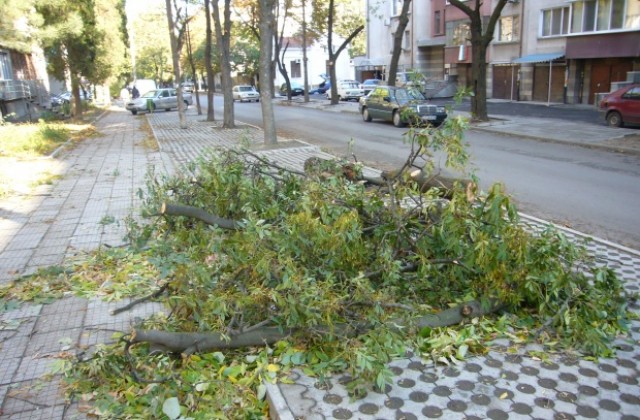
(365, 115)
(397, 120)
(614, 119)
(186, 105)
(134, 112)
(167, 109)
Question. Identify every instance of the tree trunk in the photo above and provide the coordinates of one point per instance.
(223, 39)
(479, 42)
(175, 55)
(397, 42)
(333, 56)
(207, 60)
(193, 71)
(479, 77)
(266, 74)
(304, 52)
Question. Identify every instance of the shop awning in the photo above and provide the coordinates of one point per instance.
(539, 58)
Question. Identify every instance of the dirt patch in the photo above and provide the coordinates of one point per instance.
(20, 177)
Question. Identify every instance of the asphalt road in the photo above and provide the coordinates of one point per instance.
(592, 191)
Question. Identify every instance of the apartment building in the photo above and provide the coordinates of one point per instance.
(543, 50)
(23, 83)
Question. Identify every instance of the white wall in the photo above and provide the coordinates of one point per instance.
(317, 56)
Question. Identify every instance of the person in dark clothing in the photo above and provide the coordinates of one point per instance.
(134, 93)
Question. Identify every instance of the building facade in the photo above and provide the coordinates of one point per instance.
(23, 83)
(542, 50)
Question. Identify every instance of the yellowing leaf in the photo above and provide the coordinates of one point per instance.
(504, 395)
(273, 368)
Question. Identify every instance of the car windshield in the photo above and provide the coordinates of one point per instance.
(406, 95)
(371, 82)
(349, 85)
(245, 88)
(150, 94)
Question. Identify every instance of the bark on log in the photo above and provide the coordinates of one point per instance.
(457, 314)
(196, 213)
(423, 180)
(188, 343)
(183, 342)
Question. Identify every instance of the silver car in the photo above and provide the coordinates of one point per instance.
(245, 93)
(158, 99)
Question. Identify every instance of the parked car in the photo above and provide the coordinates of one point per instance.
(296, 89)
(401, 106)
(245, 93)
(347, 90)
(321, 89)
(622, 106)
(188, 87)
(160, 99)
(369, 84)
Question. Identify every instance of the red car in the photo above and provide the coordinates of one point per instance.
(622, 106)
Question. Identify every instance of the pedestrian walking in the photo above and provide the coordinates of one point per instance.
(124, 94)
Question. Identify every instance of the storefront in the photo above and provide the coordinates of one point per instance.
(542, 77)
(601, 59)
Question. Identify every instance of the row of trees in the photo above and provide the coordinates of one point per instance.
(83, 40)
(249, 38)
(88, 39)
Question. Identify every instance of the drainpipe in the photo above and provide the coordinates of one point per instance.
(413, 33)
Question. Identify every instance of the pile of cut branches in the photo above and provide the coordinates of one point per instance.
(327, 270)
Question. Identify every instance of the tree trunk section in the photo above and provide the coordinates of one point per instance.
(195, 213)
(397, 42)
(190, 342)
(175, 56)
(207, 59)
(266, 73)
(223, 40)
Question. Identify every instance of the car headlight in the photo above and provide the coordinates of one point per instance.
(440, 110)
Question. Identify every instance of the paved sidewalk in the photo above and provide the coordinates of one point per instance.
(86, 208)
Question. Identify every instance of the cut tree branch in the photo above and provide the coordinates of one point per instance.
(168, 209)
(190, 342)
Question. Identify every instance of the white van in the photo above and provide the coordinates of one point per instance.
(144, 85)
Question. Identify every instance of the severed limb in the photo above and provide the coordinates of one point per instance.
(168, 209)
(261, 335)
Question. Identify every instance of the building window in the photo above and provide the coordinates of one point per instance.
(597, 15)
(295, 69)
(555, 21)
(461, 33)
(406, 41)
(396, 7)
(437, 22)
(5, 66)
(509, 28)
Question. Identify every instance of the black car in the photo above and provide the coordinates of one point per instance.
(401, 106)
(296, 89)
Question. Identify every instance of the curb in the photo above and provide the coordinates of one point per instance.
(603, 147)
(583, 235)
